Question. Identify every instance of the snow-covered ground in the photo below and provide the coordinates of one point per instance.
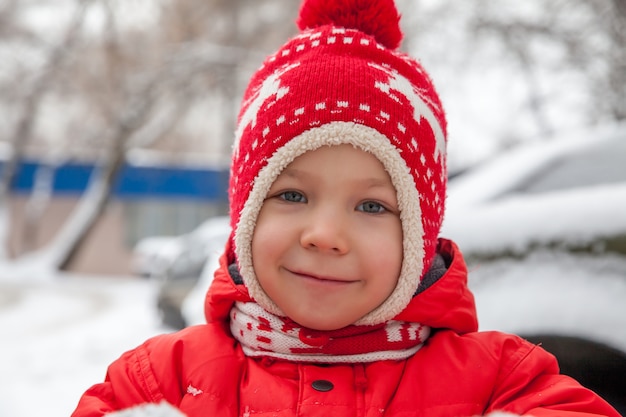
(59, 334)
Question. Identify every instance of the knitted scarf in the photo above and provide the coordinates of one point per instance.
(264, 334)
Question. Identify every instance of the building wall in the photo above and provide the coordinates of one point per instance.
(104, 250)
(108, 248)
(146, 200)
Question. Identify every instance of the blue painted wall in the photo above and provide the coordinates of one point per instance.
(134, 182)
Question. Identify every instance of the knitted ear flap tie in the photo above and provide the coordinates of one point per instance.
(341, 80)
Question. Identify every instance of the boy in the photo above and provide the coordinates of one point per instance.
(334, 295)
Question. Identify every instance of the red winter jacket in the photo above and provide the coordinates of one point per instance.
(458, 372)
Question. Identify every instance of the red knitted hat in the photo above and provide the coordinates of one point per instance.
(343, 81)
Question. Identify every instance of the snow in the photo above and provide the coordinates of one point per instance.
(519, 162)
(59, 335)
(502, 205)
(149, 410)
(571, 216)
(554, 293)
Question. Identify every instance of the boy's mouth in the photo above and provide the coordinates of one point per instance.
(320, 278)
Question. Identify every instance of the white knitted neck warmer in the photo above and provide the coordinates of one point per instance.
(264, 334)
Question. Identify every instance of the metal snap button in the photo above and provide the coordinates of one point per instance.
(322, 385)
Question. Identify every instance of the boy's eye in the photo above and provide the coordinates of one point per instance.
(371, 207)
(292, 196)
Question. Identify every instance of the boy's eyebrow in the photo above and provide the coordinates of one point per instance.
(377, 182)
(293, 172)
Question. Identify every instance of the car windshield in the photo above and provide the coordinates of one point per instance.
(604, 163)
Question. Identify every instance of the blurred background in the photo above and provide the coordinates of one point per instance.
(115, 137)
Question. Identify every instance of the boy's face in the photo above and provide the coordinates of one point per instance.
(327, 247)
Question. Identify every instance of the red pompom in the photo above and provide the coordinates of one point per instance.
(377, 18)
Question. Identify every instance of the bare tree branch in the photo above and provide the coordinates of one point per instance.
(30, 104)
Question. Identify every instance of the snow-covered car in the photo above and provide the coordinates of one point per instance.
(192, 308)
(568, 193)
(543, 228)
(153, 255)
(183, 263)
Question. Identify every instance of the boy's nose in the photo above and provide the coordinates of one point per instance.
(325, 231)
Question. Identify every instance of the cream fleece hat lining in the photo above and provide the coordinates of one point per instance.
(369, 140)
